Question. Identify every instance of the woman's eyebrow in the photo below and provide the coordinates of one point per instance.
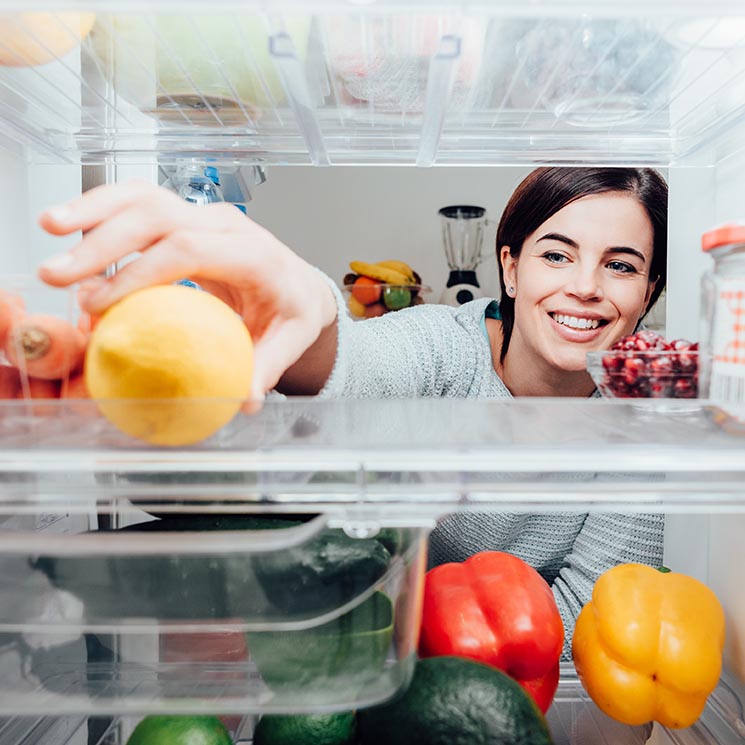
(558, 237)
(626, 250)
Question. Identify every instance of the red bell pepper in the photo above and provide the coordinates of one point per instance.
(496, 609)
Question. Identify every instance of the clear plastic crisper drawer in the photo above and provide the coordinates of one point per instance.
(194, 614)
(338, 82)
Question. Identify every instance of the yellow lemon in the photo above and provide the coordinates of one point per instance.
(38, 38)
(169, 364)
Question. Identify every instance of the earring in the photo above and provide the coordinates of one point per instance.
(510, 290)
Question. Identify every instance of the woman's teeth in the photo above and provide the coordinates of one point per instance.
(574, 322)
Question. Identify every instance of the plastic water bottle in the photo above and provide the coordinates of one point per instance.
(201, 189)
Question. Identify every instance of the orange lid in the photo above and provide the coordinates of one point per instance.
(723, 235)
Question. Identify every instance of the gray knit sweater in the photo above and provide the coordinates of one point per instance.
(435, 350)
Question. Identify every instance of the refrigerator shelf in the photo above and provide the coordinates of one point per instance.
(330, 83)
(383, 462)
(573, 720)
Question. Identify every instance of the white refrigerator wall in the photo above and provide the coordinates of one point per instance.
(371, 213)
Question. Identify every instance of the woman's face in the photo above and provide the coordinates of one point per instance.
(582, 280)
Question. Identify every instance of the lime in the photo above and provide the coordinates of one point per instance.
(183, 730)
(396, 298)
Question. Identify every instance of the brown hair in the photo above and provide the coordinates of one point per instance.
(547, 190)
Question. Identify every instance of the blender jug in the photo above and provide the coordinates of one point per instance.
(462, 235)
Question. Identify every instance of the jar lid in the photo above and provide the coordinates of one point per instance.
(723, 235)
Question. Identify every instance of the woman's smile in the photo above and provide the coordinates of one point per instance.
(577, 326)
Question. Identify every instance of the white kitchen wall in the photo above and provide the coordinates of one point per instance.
(333, 215)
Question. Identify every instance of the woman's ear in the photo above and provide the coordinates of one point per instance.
(509, 269)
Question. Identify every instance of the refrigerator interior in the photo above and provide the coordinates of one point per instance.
(401, 91)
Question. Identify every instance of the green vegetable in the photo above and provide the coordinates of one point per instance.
(305, 729)
(342, 654)
(456, 701)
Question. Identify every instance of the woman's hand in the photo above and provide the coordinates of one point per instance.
(284, 302)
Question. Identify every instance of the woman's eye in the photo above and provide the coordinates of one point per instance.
(555, 257)
(622, 267)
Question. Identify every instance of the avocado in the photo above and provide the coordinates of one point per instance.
(455, 701)
(305, 729)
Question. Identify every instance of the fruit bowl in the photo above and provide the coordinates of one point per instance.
(378, 298)
(647, 374)
(645, 365)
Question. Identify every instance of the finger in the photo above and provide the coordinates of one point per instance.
(97, 204)
(278, 349)
(253, 405)
(157, 267)
(205, 257)
(132, 230)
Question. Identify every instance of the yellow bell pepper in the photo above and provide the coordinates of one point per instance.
(648, 645)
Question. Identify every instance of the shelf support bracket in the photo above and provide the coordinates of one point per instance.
(291, 72)
(439, 88)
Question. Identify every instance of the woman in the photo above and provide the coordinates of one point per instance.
(582, 258)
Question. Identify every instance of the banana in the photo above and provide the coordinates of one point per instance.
(381, 273)
(398, 266)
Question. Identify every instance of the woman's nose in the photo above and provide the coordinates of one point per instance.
(585, 285)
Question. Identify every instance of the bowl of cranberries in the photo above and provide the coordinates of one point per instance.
(646, 365)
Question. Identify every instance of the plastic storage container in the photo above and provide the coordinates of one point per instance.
(208, 614)
(723, 315)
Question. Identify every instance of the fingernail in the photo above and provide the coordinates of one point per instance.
(60, 261)
(60, 213)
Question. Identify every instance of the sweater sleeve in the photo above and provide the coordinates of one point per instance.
(606, 539)
(420, 351)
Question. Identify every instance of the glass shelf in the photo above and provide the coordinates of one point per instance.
(336, 83)
(360, 459)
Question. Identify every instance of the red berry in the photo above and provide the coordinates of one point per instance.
(612, 363)
(633, 369)
(661, 366)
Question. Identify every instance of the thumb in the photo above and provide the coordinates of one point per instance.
(277, 350)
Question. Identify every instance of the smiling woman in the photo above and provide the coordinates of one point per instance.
(582, 259)
(582, 256)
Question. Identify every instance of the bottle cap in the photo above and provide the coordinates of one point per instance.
(212, 174)
(723, 235)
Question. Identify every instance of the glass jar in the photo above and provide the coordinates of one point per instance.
(722, 374)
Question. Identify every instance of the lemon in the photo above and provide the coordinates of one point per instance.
(180, 730)
(169, 364)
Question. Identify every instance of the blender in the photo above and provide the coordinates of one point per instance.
(463, 228)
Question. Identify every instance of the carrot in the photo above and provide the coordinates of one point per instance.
(10, 382)
(44, 346)
(41, 388)
(74, 387)
(11, 309)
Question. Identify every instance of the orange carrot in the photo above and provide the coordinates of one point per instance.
(74, 387)
(11, 309)
(44, 346)
(41, 388)
(10, 382)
